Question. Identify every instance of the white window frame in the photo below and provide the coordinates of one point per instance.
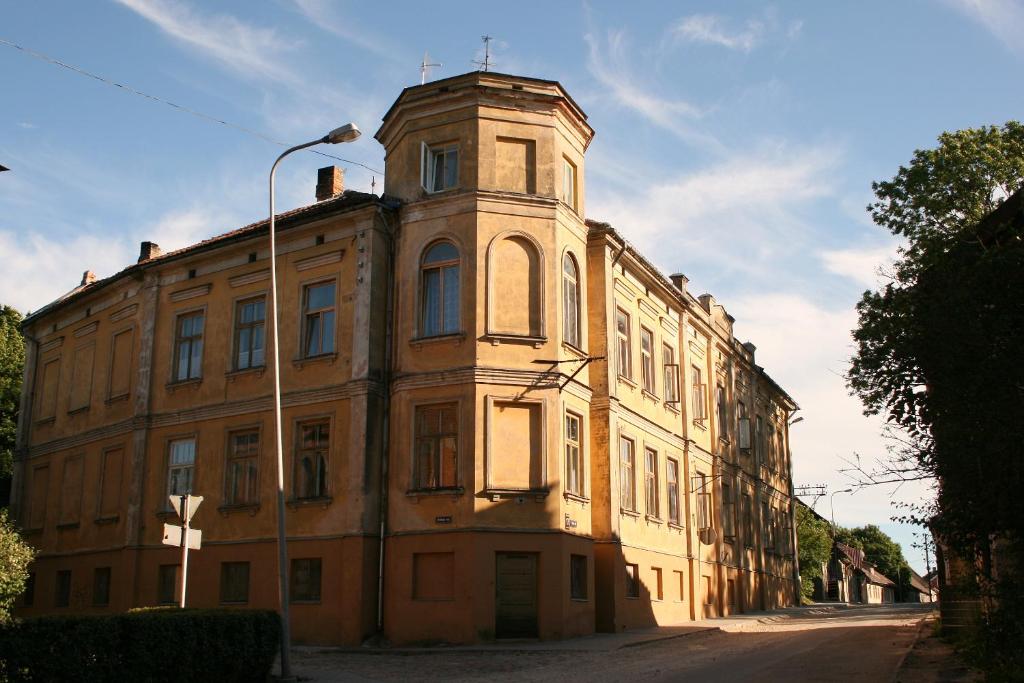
(428, 154)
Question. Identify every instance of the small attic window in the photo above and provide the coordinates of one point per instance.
(252, 257)
(191, 273)
(517, 87)
(319, 240)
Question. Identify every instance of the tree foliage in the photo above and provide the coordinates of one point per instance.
(15, 556)
(12, 360)
(815, 547)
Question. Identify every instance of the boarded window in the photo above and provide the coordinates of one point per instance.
(433, 576)
(515, 165)
(680, 582)
(632, 581)
(659, 587)
(62, 589)
(121, 364)
(168, 584)
(71, 490)
(516, 450)
(110, 485)
(49, 386)
(37, 503)
(305, 580)
(234, 582)
(516, 277)
(81, 377)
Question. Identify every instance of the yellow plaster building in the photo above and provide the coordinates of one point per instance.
(500, 419)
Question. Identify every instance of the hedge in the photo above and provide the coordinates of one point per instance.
(144, 645)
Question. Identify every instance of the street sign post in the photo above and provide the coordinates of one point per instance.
(183, 536)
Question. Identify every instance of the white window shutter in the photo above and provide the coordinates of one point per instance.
(425, 166)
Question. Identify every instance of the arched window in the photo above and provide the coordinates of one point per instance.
(570, 301)
(439, 297)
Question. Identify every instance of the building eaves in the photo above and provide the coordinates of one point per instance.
(350, 200)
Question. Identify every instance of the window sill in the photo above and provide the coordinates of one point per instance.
(628, 380)
(575, 350)
(183, 383)
(321, 501)
(328, 358)
(107, 519)
(303, 602)
(673, 406)
(655, 519)
(116, 399)
(453, 491)
(68, 525)
(496, 338)
(629, 513)
(227, 509)
(497, 494)
(32, 532)
(651, 396)
(676, 526)
(257, 370)
(78, 411)
(568, 495)
(455, 337)
(725, 440)
(164, 515)
(700, 425)
(43, 421)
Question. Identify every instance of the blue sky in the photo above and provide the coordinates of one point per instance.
(735, 143)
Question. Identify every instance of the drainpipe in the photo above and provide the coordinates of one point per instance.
(386, 409)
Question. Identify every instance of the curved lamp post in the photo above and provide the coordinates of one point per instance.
(346, 133)
(832, 504)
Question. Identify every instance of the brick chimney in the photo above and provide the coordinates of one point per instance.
(330, 182)
(679, 280)
(148, 250)
(88, 277)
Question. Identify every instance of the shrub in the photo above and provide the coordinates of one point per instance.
(143, 645)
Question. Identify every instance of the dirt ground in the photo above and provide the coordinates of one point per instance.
(862, 643)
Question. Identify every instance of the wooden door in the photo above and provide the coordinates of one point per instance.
(516, 595)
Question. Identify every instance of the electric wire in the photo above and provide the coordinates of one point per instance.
(181, 108)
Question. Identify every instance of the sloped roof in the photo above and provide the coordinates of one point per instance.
(919, 583)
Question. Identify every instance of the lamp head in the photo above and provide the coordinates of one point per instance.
(346, 133)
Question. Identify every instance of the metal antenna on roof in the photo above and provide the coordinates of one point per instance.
(486, 64)
(373, 184)
(425, 66)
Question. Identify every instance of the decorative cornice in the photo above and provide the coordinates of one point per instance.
(191, 292)
(51, 345)
(319, 260)
(249, 278)
(123, 313)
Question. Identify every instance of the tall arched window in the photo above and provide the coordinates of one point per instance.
(439, 296)
(570, 301)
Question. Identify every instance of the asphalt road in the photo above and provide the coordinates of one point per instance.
(855, 644)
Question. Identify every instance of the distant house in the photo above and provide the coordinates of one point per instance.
(920, 589)
(851, 578)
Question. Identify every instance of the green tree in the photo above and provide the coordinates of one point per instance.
(12, 360)
(815, 545)
(15, 556)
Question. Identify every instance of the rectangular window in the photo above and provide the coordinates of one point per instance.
(242, 470)
(437, 447)
(578, 577)
(40, 491)
(250, 319)
(234, 582)
(71, 491)
(743, 427)
(305, 580)
(767, 535)
(573, 455)
(651, 482)
(50, 383)
(672, 484)
(772, 458)
(670, 374)
(121, 364)
(101, 586)
(728, 512)
(312, 450)
(81, 377)
(723, 416)
(433, 576)
(168, 584)
(703, 502)
(759, 440)
(440, 167)
(110, 486)
(188, 346)
(318, 319)
(28, 598)
(622, 335)
(647, 359)
(569, 183)
(627, 499)
(699, 402)
(748, 521)
(62, 588)
(659, 587)
(632, 581)
(680, 584)
(181, 460)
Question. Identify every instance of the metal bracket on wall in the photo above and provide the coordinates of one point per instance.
(584, 362)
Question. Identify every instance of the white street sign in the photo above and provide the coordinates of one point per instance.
(193, 505)
(172, 536)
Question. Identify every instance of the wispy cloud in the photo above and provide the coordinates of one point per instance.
(710, 29)
(237, 46)
(866, 266)
(326, 16)
(1002, 18)
(608, 62)
(27, 125)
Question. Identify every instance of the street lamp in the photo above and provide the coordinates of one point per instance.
(832, 504)
(346, 133)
